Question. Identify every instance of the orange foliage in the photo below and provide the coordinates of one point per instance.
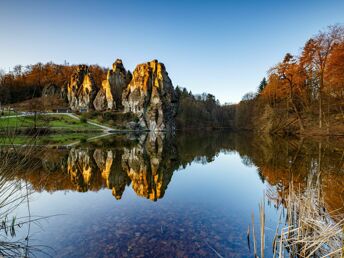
(334, 75)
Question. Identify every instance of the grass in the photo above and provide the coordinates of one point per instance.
(110, 118)
(8, 113)
(63, 130)
(55, 122)
(52, 139)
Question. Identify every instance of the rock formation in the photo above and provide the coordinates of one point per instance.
(54, 97)
(51, 89)
(151, 96)
(81, 90)
(110, 95)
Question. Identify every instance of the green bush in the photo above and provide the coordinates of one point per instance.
(83, 119)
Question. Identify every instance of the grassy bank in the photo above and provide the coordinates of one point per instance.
(53, 122)
(51, 139)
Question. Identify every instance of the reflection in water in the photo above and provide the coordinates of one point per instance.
(146, 163)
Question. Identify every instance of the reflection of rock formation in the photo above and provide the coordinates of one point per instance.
(151, 96)
(110, 95)
(81, 168)
(110, 168)
(81, 89)
(150, 166)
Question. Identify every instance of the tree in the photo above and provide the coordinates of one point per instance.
(262, 85)
(315, 57)
(289, 71)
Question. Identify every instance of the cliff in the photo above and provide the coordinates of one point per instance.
(151, 96)
(110, 95)
(81, 90)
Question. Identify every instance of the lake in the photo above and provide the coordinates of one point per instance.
(188, 195)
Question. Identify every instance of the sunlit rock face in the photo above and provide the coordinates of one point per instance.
(110, 95)
(151, 96)
(81, 90)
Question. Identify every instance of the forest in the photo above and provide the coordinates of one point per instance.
(27, 84)
(302, 94)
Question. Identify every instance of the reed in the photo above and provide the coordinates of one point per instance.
(13, 194)
(309, 230)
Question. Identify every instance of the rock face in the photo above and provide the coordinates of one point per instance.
(51, 90)
(100, 102)
(151, 96)
(81, 90)
(110, 95)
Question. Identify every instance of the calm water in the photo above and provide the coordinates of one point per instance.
(191, 195)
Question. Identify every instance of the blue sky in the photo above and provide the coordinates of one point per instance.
(220, 47)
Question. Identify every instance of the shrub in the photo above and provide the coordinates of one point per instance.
(83, 119)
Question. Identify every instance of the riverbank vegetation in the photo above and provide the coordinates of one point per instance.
(46, 129)
(303, 94)
(305, 227)
(33, 122)
(15, 231)
(202, 111)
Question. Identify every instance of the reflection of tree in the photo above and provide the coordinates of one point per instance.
(280, 161)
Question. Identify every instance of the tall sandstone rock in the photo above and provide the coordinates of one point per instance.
(151, 96)
(110, 95)
(81, 90)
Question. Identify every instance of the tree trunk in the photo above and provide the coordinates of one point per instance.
(320, 100)
(320, 110)
(298, 116)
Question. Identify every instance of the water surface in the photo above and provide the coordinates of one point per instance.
(191, 195)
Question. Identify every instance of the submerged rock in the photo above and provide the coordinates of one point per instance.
(110, 95)
(81, 90)
(151, 96)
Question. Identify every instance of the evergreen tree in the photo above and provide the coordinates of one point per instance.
(262, 85)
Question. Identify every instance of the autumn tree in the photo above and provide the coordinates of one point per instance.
(289, 72)
(315, 57)
(334, 76)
